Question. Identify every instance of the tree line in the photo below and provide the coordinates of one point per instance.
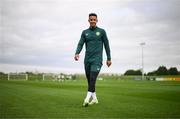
(162, 70)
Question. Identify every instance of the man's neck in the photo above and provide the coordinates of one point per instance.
(93, 27)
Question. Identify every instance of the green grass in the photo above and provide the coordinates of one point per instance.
(117, 99)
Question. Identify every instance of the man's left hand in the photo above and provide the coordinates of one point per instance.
(108, 63)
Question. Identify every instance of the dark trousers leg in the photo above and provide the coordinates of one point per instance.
(87, 71)
(88, 78)
(92, 81)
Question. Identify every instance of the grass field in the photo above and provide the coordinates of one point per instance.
(117, 99)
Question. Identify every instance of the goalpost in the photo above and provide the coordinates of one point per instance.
(43, 77)
(14, 76)
(50, 77)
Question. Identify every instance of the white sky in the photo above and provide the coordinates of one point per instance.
(42, 35)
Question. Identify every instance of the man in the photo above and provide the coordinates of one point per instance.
(93, 38)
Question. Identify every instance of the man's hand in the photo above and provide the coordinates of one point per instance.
(108, 63)
(76, 57)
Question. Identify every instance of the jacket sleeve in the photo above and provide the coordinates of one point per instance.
(80, 44)
(106, 45)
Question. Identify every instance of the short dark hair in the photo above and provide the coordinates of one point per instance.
(93, 14)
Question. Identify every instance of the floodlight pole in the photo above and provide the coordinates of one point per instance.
(142, 44)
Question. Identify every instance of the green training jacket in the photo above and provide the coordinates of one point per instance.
(94, 38)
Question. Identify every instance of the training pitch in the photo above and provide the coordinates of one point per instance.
(117, 99)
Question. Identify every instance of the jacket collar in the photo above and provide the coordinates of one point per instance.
(91, 28)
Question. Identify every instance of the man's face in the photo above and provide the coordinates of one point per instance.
(92, 21)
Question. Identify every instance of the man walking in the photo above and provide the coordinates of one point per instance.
(94, 38)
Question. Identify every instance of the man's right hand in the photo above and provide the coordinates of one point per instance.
(76, 57)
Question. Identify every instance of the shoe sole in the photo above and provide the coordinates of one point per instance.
(93, 103)
(85, 105)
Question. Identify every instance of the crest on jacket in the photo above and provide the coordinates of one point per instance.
(98, 33)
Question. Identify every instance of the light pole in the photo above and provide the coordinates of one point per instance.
(142, 44)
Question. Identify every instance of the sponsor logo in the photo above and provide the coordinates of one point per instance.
(98, 33)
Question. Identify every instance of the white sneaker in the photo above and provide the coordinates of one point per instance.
(85, 104)
(94, 101)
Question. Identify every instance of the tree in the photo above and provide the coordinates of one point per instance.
(173, 71)
(133, 72)
(153, 73)
(162, 70)
(2, 73)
